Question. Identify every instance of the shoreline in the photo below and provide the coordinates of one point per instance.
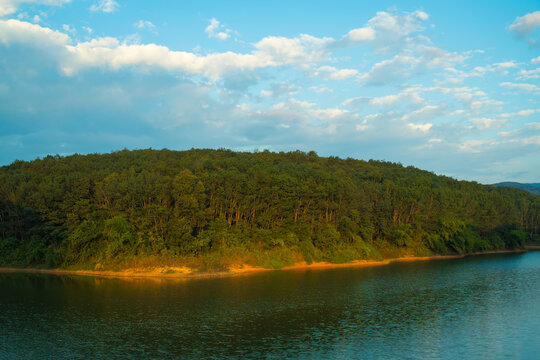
(185, 273)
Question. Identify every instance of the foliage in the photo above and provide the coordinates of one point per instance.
(272, 208)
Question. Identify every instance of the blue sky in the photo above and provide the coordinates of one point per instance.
(450, 87)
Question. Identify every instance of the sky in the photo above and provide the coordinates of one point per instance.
(451, 87)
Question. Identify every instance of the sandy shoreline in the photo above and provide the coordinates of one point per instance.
(187, 273)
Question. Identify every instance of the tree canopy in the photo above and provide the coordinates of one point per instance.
(202, 204)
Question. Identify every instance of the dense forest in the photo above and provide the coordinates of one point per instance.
(209, 209)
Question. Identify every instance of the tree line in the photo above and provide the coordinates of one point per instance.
(88, 209)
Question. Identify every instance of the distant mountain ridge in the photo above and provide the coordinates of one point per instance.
(533, 188)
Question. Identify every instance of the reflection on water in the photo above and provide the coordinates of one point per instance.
(480, 307)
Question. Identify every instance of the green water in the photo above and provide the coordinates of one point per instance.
(483, 307)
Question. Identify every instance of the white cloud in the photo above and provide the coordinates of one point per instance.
(8, 7)
(89, 30)
(531, 140)
(485, 104)
(524, 136)
(428, 112)
(320, 89)
(69, 29)
(213, 30)
(524, 25)
(270, 51)
(409, 117)
(528, 74)
(110, 53)
(363, 125)
(412, 61)
(501, 68)
(420, 127)
(297, 103)
(520, 86)
(144, 24)
(475, 146)
(22, 32)
(407, 96)
(473, 98)
(303, 49)
(487, 123)
(393, 30)
(505, 65)
(327, 114)
(279, 89)
(332, 73)
(361, 35)
(535, 60)
(399, 67)
(534, 126)
(105, 6)
(521, 113)
(386, 30)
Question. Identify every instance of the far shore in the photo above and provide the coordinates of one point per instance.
(188, 273)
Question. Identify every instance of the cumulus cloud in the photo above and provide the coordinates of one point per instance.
(524, 136)
(428, 112)
(320, 89)
(332, 73)
(21, 32)
(271, 51)
(363, 125)
(420, 127)
(526, 24)
(244, 99)
(327, 114)
(471, 97)
(8, 7)
(528, 74)
(476, 146)
(144, 24)
(110, 53)
(387, 30)
(279, 89)
(487, 123)
(105, 6)
(407, 96)
(69, 29)
(520, 86)
(526, 27)
(521, 113)
(303, 49)
(411, 62)
(501, 68)
(217, 31)
(485, 104)
(361, 35)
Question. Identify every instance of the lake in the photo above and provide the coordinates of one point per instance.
(482, 307)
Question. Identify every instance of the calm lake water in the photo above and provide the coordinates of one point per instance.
(483, 307)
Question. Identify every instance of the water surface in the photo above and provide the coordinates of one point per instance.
(483, 307)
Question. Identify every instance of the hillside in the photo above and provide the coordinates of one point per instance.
(209, 209)
(532, 188)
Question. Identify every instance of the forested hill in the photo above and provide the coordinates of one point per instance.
(212, 208)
